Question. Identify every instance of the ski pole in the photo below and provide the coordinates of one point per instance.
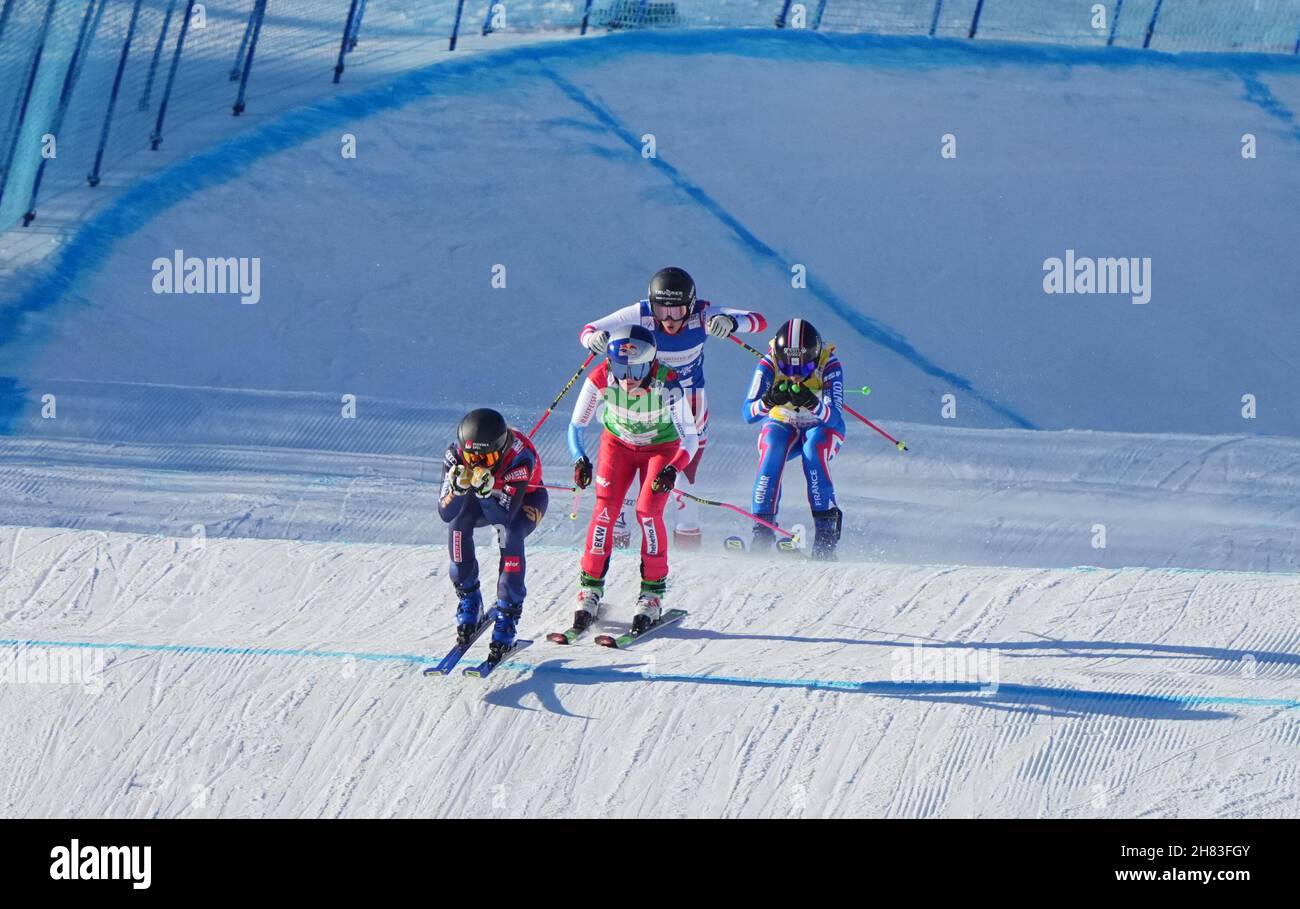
(897, 444)
(563, 391)
(737, 509)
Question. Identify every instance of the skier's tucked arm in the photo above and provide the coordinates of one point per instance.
(450, 499)
(756, 407)
(595, 335)
(679, 408)
(515, 484)
(832, 396)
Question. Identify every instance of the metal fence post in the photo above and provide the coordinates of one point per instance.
(93, 178)
(259, 12)
(156, 138)
(455, 28)
(94, 11)
(343, 45)
(1151, 26)
(157, 55)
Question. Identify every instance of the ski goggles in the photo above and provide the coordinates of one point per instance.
(481, 458)
(670, 312)
(634, 371)
(799, 371)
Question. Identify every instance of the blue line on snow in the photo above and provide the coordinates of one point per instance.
(601, 673)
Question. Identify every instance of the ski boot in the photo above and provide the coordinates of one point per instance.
(503, 634)
(649, 605)
(827, 533)
(469, 614)
(764, 536)
(589, 596)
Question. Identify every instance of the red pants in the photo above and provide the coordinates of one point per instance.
(617, 465)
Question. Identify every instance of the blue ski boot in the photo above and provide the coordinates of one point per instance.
(503, 635)
(469, 614)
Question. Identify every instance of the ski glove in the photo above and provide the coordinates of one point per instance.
(803, 396)
(582, 473)
(665, 480)
(596, 342)
(721, 325)
(775, 396)
(482, 481)
(460, 479)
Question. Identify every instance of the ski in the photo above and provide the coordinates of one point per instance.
(795, 545)
(671, 617)
(734, 544)
(484, 669)
(454, 655)
(569, 635)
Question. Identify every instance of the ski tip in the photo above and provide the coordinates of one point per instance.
(472, 673)
(557, 637)
(433, 671)
(605, 640)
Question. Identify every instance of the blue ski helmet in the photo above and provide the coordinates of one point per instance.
(631, 353)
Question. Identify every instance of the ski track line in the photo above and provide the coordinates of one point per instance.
(596, 673)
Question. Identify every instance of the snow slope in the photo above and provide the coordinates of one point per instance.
(1159, 682)
(249, 678)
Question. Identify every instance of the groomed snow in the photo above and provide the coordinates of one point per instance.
(258, 678)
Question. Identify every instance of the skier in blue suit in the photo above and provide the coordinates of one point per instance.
(798, 394)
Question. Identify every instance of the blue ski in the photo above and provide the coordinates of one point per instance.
(454, 655)
(484, 669)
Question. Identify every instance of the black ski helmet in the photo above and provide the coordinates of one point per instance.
(672, 286)
(483, 432)
(797, 348)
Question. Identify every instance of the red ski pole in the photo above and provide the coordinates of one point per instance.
(563, 391)
(737, 509)
(897, 444)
